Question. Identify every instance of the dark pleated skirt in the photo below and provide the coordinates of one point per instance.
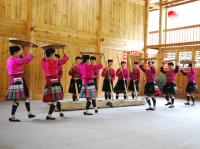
(131, 85)
(106, 85)
(119, 87)
(170, 88)
(151, 89)
(192, 88)
(72, 87)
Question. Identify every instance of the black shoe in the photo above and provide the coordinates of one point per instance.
(14, 120)
(153, 109)
(96, 111)
(193, 104)
(167, 104)
(187, 103)
(50, 118)
(31, 116)
(171, 106)
(61, 115)
(148, 109)
(87, 113)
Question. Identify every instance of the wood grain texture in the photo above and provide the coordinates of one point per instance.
(73, 22)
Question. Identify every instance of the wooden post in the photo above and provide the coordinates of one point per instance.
(166, 21)
(99, 35)
(160, 23)
(146, 24)
(160, 28)
(30, 38)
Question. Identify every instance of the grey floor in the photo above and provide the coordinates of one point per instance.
(116, 128)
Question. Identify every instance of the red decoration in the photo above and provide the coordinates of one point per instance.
(172, 14)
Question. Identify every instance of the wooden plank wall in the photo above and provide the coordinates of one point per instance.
(73, 22)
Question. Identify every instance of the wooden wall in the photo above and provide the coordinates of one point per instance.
(75, 22)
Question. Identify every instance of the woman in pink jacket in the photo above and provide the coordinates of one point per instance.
(191, 88)
(151, 89)
(18, 89)
(88, 89)
(53, 90)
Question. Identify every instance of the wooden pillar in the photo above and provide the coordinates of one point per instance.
(160, 23)
(146, 24)
(99, 38)
(29, 26)
(99, 32)
(166, 21)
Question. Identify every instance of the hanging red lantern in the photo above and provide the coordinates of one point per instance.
(172, 14)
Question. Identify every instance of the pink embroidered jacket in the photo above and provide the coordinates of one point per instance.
(108, 73)
(75, 72)
(124, 75)
(51, 66)
(191, 75)
(150, 73)
(135, 74)
(87, 72)
(97, 67)
(15, 65)
(170, 74)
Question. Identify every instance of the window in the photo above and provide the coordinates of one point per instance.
(185, 56)
(197, 59)
(170, 56)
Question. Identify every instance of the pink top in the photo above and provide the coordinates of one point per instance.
(15, 65)
(124, 75)
(51, 66)
(191, 75)
(87, 72)
(75, 72)
(108, 73)
(97, 67)
(135, 74)
(150, 73)
(170, 74)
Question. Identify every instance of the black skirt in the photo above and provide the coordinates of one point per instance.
(119, 87)
(170, 88)
(151, 89)
(131, 85)
(106, 85)
(192, 88)
(72, 87)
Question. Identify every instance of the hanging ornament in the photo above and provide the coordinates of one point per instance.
(172, 14)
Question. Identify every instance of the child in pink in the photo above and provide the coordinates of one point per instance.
(18, 89)
(53, 89)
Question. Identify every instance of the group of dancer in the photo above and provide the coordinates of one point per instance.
(84, 79)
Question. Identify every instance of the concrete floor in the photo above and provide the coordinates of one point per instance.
(116, 128)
